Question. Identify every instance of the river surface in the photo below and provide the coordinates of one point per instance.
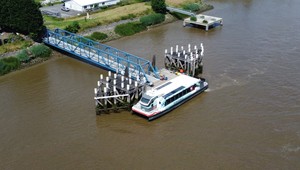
(248, 119)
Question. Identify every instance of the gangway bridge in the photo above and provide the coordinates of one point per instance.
(181, 11)
(102, 55)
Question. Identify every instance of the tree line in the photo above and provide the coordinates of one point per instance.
(22, 16)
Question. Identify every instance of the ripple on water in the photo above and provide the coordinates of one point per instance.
(289, 148)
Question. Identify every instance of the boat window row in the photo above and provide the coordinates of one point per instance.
(180, 94)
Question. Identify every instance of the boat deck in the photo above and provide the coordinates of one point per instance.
(204, 20)
(165, 73)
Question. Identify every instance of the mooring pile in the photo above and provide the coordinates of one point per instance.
(116, 92)
(122, 91)
(185, 61)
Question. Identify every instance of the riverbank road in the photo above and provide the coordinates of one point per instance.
(55, 10)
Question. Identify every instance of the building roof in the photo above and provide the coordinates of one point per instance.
(88, 2)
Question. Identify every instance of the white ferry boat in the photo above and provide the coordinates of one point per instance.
(162, 99)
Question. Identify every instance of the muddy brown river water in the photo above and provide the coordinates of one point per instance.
(248, 119)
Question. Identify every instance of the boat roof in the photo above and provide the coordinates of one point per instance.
(172, 86)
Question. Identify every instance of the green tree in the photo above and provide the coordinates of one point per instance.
(21, 16)
(159, 6)
(193, 18)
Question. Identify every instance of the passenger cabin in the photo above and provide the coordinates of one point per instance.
(169, 94)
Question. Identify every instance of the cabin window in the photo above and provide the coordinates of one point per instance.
(145, 100)
(178, 95)
(175, 97)
(167, 102)
(189, 89)
(185, 91)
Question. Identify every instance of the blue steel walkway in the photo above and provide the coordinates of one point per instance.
(102, 55)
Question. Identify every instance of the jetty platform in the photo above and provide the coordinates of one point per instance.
(121, 91)
(205, 21)
(129, 76)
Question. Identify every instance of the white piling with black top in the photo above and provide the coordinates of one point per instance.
(116, 92)
(96, 93)
(188, 61)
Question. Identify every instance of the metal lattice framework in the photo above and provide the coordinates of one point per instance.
(102, 55)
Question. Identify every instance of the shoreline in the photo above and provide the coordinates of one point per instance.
(107, 29)
(35, 62)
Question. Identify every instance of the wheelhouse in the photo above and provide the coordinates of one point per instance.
(147, 102)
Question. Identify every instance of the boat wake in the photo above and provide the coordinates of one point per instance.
(238, 74)
(289, 148)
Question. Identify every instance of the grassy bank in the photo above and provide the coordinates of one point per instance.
(130, 28)
(35, 53)
(14, 42)
(10, 47)
(39, 53)
(151, 20)
(195, 6)
(97, 36)
(102, 17)
(126, 10)
(179, 3)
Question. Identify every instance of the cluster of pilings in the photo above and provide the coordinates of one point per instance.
(116, 92)
(185, 61)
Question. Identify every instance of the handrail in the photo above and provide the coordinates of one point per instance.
(89, 49)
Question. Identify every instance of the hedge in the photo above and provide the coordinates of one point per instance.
(193, 18)
(23, 56)
(129, 16)
(130, 28)
(192, 7)
(152, 19)
(12, 63)
(98, 36)
(9, 64)
(73, 27)
(40, 51)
